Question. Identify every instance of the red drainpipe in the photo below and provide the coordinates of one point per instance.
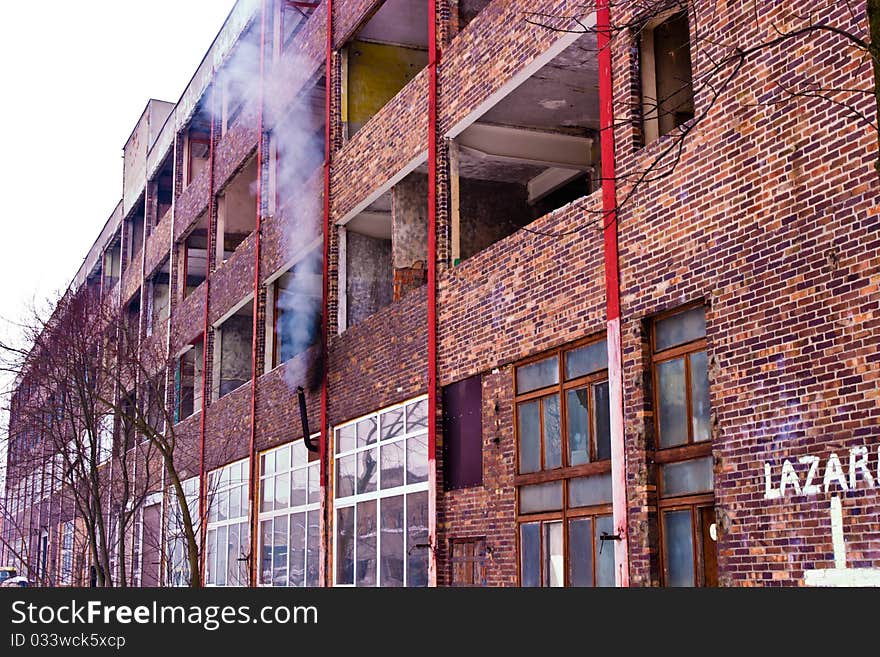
(325, 296)
(433, 57)
(252, 483)
(203, 503)
(612, 292)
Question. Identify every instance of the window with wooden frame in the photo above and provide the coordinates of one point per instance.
(468, 561)
(683, 448)
(563, 462)
(667, 78)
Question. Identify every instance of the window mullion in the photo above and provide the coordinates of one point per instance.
(687, 397)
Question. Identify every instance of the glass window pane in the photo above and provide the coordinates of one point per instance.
(367, 468)
(578, 427)
(222, 548)
(266, 552)
(366, 544)
(268, 495)
(417, 416)
(694, 476)
(671, 399)
(237, 576)
(298, 483)
(263, 465)
(235, 503)
(554, 575)
(212, 555)
(282, 491)
(529, 436)
(282, 459)
(537, 375)
(417, 539)
(345, 545)
(417, 459)
(366, 431)
(296, 575)
(552, 432)
(313, 548)
(540, 497)
(269, 463)
(680, 328)
(700, 396)
(279, 552)
(392, 541)
(587, 491)
(602, 412)
(586, 360)
(392, 465)
(580, 552)
(678, 543)
(300, 455)
(530, 553)
(345, 475)
(392, 424)
(345, 439)
(604, 553)
(314, 471)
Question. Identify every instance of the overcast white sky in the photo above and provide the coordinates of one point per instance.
(76, 77)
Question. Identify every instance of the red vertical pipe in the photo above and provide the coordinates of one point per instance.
(432, 292)
(203, 487)
(612, 292)
(325, 294)
(252, 461)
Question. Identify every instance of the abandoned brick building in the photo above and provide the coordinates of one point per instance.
(533, 369)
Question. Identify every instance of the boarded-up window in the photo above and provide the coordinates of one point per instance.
(463, 433)
(468, 562)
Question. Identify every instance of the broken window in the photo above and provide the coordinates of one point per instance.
(293, 16)
(296, 308)
(164, 185)
(563, 458)
(195, 256)
(197, 144)
(683, 448)
(384, 55)
(112, 264)
(159, 291)
(531, 153)
(233, 350)
(667, 86)
(188, 382)
(237, 211)
(134, 231)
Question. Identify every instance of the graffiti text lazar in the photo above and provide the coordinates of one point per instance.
(811, 479)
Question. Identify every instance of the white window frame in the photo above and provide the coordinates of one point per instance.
(177, 570)
(68, 530)
(311, 469)
(220, 483)
(352, 501)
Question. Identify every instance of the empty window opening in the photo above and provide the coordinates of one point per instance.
(385, 54)
(238, 79)
(112, 263)
(532, 153)
(296, 308)
(164, 188)
(468, 10)
(667, 86)
(297, 149)
(237, 211)
(188, 381)
(197, 145)
(384, 249)
(233, 358)
(159, 297)
(134, 233)
(195, 256)
(293, 15)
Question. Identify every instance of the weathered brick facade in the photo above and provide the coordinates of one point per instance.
(769, 217)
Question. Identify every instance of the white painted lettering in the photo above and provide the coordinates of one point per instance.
(809, 487)
(858, 460)
(834, 471)
(770, 493)
(790, 478)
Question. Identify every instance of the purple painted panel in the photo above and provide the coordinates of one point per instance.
(463, 433)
